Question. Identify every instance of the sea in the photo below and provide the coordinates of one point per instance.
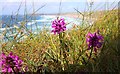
(9, 24)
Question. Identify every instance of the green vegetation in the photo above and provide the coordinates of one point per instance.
(67, 51)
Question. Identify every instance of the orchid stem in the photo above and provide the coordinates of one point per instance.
(90, 56)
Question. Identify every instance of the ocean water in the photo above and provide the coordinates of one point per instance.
(34, 24)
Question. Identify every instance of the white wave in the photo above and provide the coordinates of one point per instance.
(2, 29)
(43, 20)
(49, 16)
(19, 22)
(30, 23)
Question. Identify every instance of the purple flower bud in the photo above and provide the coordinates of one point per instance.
(94, 41)
(10, 63)
(58, 26)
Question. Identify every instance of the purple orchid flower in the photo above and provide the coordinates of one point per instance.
(10, 63)
(58, 26)
(94, 40)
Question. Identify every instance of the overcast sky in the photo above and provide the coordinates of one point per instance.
(52, 6)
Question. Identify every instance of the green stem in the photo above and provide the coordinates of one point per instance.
(90, 56)
(60, 44)
(80, 54)
(63, 50)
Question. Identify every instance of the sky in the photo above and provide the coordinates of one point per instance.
(8, 7)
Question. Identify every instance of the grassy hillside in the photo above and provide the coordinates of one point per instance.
(41, 53)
